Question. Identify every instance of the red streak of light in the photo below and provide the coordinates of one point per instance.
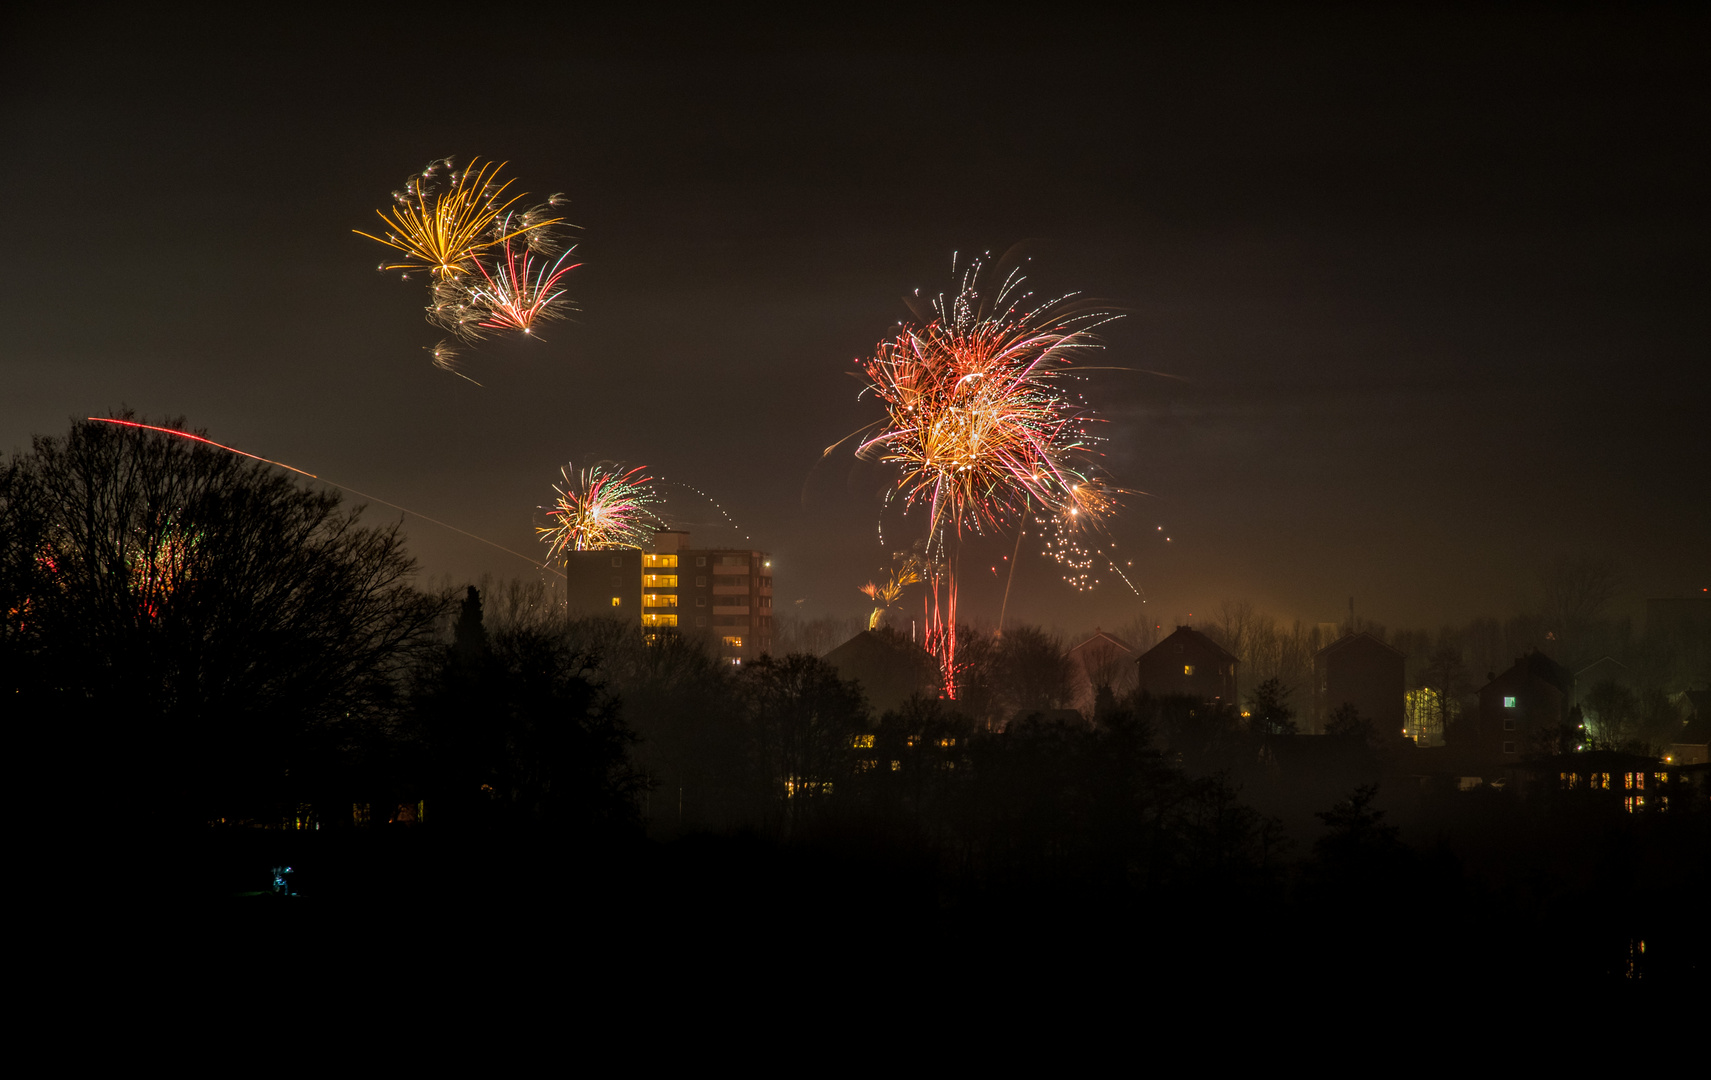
(312, 476)
(210, 442)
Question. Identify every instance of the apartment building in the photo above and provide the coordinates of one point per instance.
(723, 595)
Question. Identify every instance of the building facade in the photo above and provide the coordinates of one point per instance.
(603, 583)
(1102, 660)
(1360, 670)
(722, 595)
(1517, 711)
(1188, 662)
(890, 668)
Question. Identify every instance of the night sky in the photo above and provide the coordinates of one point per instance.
(1433, 284)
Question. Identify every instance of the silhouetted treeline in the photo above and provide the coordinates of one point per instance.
(192, 635)
(234, 664)
(1632, 700)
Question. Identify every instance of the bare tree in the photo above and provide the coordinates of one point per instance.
(1445, 677)
(1032, 672)
(1613, 717)
(802, 722)
(1105, 664)
(1574, 595)
(219, 628)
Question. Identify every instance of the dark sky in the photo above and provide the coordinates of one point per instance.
(1434, 282)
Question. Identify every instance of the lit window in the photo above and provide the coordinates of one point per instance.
(1508, 701)
(659, 581)
(895, 765)
(659, 600)
(616, 602)
(659, 620)
(946, 744)
(1188, 669)
(659, 560)
(732, 642)
(863, 742)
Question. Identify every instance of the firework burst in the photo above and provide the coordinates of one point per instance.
(896, 580)
(981, 425)
(160, 567)
(519, 291)
(600, 509)
(444, 218)
(977, 416)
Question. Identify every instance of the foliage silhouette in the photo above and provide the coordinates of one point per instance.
(229, 637)
(1269, 709)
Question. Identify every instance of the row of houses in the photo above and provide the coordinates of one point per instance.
(1521, 712)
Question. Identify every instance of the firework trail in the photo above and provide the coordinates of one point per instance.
(598, 510)
(980, 424)
(445, 358)
(444, 218)
(729, 520)
(190, 436)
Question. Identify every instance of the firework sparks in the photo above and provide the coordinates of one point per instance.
(492, 266)
(726, 514)
(161, 568)
(981, 425)
(444, 218)
(453, 306)
(898, 579)
(445, 358)
(519, 292)
(600, 509)
(977, 417)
